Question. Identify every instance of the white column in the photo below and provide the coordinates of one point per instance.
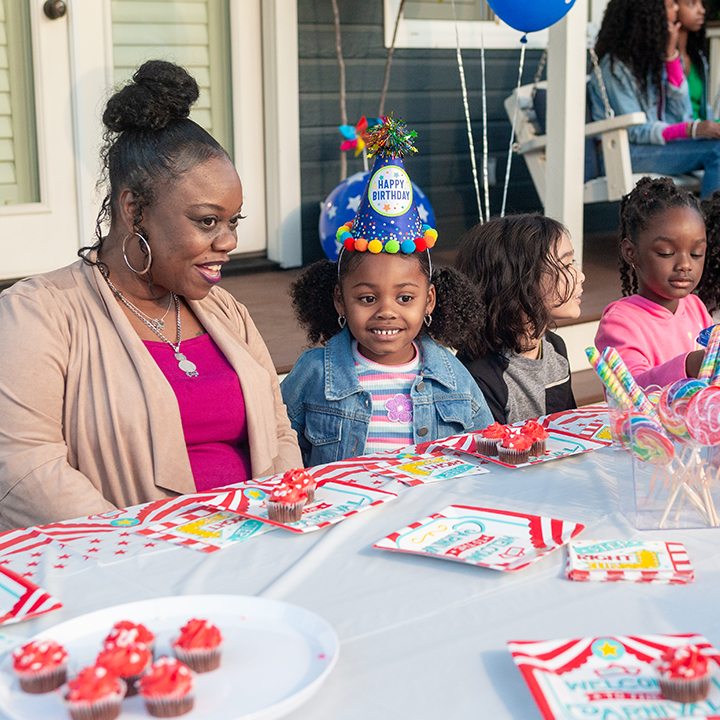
(282, 131)
(566, 122)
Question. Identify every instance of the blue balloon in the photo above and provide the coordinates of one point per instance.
(530, 15)
(342, 204)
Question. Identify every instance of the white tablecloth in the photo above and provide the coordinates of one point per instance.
(421, 637)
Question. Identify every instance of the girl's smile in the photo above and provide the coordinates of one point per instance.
(385, 299)
(669, 256)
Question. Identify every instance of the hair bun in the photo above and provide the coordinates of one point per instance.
(160, 93)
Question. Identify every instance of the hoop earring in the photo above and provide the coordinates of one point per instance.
(342, 321)
(427, 320)
(149, 253)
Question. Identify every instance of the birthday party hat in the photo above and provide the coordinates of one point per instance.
(387, 219)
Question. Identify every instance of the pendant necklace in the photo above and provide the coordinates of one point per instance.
(187, 366)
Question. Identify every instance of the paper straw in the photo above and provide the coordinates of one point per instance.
(711, 354)
(638, 397)
(608, 378)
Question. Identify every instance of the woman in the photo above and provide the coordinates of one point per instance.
(129, 376)
(642, 71)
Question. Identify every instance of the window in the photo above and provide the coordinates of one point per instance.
(430, 24)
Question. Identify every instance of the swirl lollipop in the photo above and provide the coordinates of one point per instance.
(702, 417)
(673, 403)
(649, 441)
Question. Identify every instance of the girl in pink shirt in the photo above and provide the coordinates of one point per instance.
(662, 255)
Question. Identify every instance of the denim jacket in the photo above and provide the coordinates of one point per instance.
(671, 106)
(330, 411)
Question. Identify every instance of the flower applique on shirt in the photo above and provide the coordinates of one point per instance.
(399, 408)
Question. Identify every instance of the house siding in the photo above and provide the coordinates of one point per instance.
(425, 92)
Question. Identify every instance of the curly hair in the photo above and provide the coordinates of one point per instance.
(649, 198)
(149, 140)
(708, 289)
(511, 261)
(458, 309)
(636, 33)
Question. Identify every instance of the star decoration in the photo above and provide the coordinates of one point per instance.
(422, 212)
(332, 212)
(354, 203)
(608, 649)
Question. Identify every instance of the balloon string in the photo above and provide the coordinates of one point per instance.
(466, 105)
(523, 40)
(486, 177)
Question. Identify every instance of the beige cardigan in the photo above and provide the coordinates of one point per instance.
(88, 421)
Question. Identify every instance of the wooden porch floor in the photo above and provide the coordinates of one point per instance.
(266, 296)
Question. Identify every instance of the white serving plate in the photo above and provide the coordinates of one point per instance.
(275, 656)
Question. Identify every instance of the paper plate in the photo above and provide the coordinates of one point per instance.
(275, 656)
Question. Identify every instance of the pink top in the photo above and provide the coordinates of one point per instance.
(212, 410)
(651, 340)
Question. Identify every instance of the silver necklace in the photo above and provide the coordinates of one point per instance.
(188, 367)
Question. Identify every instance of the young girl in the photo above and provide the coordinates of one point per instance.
(691, 46)
(642, 71)
(662, 254)
(381, 381)
(523, 268)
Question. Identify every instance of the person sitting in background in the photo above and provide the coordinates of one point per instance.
(522, 266)
(129, 376)
(691, 46)
(641, 70)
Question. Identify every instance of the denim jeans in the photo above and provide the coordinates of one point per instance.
(680, 156)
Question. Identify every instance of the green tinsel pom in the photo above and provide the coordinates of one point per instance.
(390, 139)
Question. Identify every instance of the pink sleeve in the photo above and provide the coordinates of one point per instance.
(621, 333)
(675, 73)
(675, 132)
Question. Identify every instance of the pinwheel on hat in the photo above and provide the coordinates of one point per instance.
(387, 219)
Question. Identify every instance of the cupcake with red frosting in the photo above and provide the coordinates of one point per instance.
(514, 449)
(301, 477)
(199, 646)
(95, 694)
(683, 674)
(40, 666)
(167, 688)
(286, 502)
(127, 662)
(126, 632)
(486, 440)
(538, 434)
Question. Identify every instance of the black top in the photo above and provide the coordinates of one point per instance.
(489, 374)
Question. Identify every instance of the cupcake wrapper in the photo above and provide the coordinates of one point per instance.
(685, 691)
(172, 707)
(43, 682)
(486, 446)
(538, 448)
(512, 457)
(284, 513)
(311, 495)
(199, 660)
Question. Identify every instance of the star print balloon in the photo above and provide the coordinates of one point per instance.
(343, 202)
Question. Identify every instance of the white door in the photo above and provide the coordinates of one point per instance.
(38, 200)
(56, 76)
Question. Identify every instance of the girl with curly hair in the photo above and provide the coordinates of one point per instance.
(642, 70)
(381, 380)
(523, 268)
(663, 251)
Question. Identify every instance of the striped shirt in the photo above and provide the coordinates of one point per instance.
(391, 424)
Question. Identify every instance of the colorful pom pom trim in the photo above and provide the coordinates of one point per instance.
(419, 244)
